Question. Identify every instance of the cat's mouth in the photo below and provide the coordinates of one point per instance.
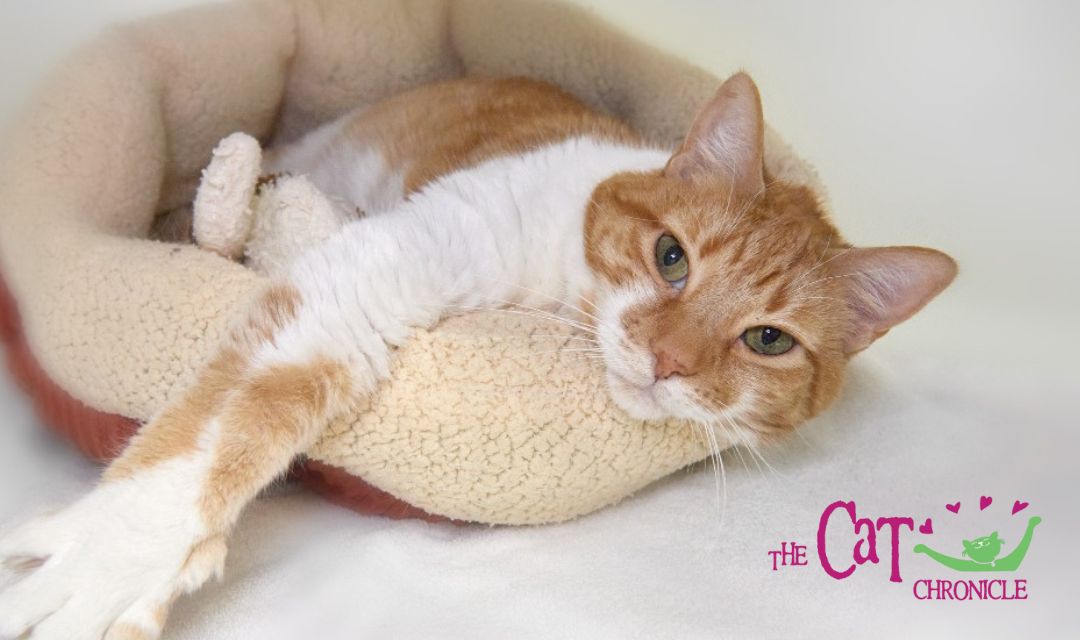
(630, 367)
(642, 400)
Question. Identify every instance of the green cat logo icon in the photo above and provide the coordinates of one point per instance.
(982, 553)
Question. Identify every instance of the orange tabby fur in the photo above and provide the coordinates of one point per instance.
(743, 264)
(436, 129)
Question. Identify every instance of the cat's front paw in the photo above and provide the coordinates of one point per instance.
(107, 567)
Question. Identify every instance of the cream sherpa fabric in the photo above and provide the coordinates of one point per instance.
(270, 230)
(481, 422)
(223, 203)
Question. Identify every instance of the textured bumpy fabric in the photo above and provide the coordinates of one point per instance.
(480, 422)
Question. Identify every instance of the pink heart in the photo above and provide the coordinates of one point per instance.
(984, 502)
(1019, 506)
(954, 507)
(926, 527)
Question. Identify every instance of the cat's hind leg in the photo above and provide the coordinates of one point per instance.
(350, 167)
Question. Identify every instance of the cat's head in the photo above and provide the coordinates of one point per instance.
(984, 549)
(729, 299)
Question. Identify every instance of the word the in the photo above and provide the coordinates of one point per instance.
(794, 555)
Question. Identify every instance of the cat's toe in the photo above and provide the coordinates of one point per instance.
(36, 538)
(30, 602)
(144, 618)
(113, 560)
(77, 619)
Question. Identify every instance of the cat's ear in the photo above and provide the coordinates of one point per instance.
(967, 545)
(727, 140)
(884, 286)
(993, 536)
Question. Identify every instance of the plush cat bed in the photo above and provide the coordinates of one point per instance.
(488, 418)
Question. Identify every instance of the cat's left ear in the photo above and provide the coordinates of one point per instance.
(727, 140)
(884, 286)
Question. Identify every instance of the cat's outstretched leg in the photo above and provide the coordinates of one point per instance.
(111, 564)
(156, 526)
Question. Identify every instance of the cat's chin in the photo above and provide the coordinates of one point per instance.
(638, 401)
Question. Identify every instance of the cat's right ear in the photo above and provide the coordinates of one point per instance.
(885, 286)
(726, 141)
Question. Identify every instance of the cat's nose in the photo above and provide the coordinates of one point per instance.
(672, 359)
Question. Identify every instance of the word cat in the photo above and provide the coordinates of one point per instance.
(716, 293)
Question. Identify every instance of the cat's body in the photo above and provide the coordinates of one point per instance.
(471, 187)
(714, 296)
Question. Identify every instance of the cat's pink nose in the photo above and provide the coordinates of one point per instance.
(671, 360)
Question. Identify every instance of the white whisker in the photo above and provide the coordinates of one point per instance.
(552, 299)
(719, 474)
(528, 312)
(568, 338)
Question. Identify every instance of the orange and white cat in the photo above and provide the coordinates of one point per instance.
(715, 294)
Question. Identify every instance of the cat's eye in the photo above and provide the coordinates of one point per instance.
(768, 341)
(671, 261)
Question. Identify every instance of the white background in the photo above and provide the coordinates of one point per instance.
(951, 124)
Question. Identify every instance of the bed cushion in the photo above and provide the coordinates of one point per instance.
(483, 420)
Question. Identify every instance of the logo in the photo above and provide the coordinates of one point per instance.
(990, 553)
